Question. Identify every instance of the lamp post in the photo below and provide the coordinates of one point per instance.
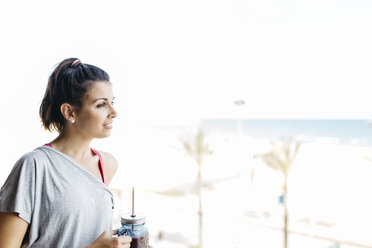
(239, 124)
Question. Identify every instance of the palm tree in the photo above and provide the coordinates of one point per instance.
(196, 148)
(281, 158)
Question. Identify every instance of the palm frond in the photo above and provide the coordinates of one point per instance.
(195, 146)
(281, 156)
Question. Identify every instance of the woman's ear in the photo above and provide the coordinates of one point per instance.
(68, 112)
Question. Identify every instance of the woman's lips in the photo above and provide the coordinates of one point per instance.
(108, 126)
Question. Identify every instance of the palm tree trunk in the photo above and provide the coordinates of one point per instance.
(285, 218)
(200, 211)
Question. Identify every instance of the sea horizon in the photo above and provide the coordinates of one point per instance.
(336, 131)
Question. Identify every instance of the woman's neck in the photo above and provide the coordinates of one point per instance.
(72, 145)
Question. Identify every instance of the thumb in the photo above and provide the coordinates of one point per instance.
(113, 232)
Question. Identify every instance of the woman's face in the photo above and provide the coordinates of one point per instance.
(95, 118)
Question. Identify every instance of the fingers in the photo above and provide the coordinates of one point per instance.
(122, 241)
(118, 241)
(107, 239)
(113, 232)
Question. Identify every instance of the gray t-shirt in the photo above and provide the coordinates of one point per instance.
(64, 204)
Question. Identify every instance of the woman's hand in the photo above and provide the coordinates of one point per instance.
(108, 240)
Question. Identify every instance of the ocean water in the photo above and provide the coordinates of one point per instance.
(352, 132)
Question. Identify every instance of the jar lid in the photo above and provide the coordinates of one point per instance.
(137, 219)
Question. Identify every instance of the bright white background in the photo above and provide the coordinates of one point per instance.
(174, 62)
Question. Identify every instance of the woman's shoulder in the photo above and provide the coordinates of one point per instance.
(27, 166)
(32, 156)
(110, 165)
(108, 157)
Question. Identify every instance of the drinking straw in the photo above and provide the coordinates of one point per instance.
(133, 215)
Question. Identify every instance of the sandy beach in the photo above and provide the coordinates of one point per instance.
(328, 194)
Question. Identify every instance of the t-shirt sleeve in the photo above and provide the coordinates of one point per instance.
(17, 193)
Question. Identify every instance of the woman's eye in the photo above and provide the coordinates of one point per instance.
(112, 103)
(101, 105)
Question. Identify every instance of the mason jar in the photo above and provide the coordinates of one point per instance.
(134, 226)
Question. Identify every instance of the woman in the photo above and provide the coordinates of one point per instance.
(57, 195)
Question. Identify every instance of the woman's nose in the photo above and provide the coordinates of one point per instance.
(113, 113)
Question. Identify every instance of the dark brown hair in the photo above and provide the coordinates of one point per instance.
(68, 83)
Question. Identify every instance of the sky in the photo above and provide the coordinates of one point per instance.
(175, 62)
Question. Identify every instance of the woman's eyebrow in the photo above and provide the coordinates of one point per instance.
(102, 98)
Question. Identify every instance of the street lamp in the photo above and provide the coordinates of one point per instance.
(239, 127)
